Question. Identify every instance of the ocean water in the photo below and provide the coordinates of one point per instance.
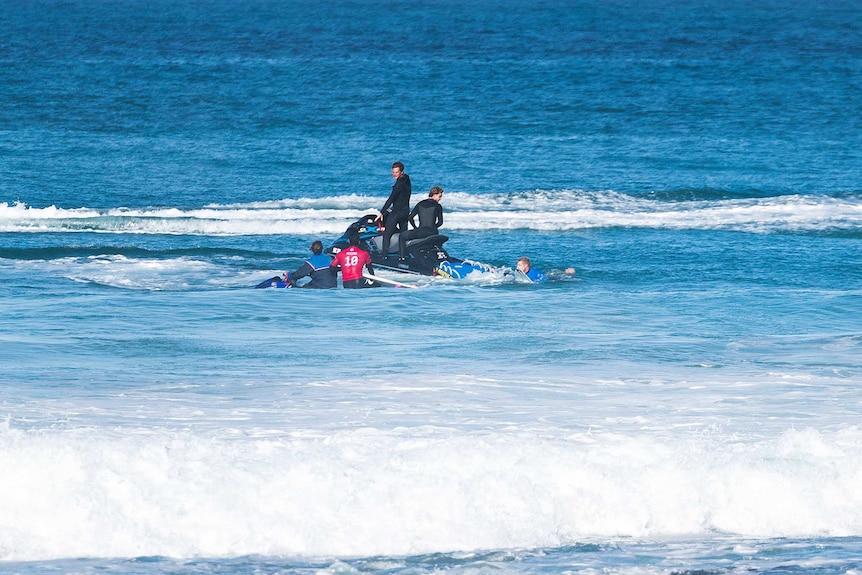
(688, 402)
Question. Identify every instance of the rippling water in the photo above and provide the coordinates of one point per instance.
(686, 402)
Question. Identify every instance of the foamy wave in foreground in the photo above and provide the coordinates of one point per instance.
(102, 492)
(539, 210)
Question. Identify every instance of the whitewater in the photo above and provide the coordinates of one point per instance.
(381, 467)
(551, 210)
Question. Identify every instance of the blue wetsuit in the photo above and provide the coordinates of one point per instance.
(318, 268)
(536, 276)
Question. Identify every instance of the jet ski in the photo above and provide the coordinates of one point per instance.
(425, 256)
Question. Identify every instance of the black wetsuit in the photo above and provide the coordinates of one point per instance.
(396, 210)
(430, 214)
(357, 284)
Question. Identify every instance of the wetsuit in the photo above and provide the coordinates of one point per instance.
(352, 260)
(318, 268)
(430, 214)
(395, 210)
(536, 276)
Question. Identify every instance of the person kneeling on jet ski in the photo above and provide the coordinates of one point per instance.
(353, 260)
(317, 267)
(430, 214)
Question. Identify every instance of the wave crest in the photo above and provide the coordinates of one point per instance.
(543, 210)
(102, 493)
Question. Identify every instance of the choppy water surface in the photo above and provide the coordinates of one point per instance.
(686, 402)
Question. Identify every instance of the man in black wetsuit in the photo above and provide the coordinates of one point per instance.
(397, 206)
(430, 214)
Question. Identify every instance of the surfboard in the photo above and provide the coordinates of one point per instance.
(521, 277)
(274, 282)
(385, 281)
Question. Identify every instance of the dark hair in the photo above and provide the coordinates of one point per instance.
(398, 165)
(317, 247)
(435, 190)
(353, 239)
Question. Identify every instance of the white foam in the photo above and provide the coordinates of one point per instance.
(128, 491)
(153, 274)
(539, 210)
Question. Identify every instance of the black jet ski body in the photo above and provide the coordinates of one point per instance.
(424, 256)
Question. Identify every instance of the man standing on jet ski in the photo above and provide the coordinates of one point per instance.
(397, 206)
(430, 214)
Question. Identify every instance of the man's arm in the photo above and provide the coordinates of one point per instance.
(303, 271)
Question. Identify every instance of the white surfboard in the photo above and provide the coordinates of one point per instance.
(521, 277)
(381, 280)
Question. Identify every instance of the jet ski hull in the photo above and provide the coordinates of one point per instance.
(424, 256)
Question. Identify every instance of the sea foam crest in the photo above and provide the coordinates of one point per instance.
(100, 492)
(555, 210)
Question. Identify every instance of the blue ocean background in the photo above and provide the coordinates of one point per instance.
(688, 402)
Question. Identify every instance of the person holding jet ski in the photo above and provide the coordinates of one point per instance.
(354, 263)
(317, 267)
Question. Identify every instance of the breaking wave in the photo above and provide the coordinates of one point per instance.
(542, 210)
(127, 492)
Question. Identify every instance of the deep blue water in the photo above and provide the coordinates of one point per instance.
(135, 103)
(686, 402)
